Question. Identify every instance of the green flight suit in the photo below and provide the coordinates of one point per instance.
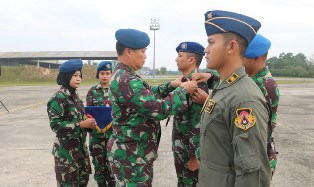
(234, 133)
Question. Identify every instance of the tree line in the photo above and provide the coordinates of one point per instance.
(286, 65)
(289, 65)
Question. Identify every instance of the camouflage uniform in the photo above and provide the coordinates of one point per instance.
(72, 164)
(99, 96)
(185, 139)
(268, 86)
(137, 110)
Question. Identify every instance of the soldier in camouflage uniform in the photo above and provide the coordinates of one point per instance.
(65, 111)
(98, 95)
(255, 66)
(137, 110)
(185, 133)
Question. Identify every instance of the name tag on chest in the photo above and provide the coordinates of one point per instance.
(209, 105)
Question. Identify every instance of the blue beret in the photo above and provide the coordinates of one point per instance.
(258, 47)
(218, 21)
(191, 47)
(70, 66)
(104, 66)
(132, 38)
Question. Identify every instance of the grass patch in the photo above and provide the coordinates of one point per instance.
(34, 76)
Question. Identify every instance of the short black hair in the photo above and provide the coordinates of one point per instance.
(198, 58)
(120, 48)
(240, 40)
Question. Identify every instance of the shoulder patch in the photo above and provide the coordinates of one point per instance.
(244, 119)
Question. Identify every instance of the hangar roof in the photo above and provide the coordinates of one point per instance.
(61, 55)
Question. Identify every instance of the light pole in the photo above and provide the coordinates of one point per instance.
(154, 25)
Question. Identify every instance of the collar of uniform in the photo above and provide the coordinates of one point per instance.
(98, 86)
(190, 74)
(261, 73)
(232, 78)
(67, 91)
(126, 67)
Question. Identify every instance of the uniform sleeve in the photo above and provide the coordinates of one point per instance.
(249, 123)
(146, 103)
(194, 133)
(215, 78)
(273, 98)
(89, 98)
(162, 90)
(57, 118)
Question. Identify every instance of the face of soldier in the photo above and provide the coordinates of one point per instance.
(215, 52)
(249, 65)
(76, 80)
(138, 57)
(184, 61)
(104, 77)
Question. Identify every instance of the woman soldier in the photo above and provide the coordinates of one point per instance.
(66, 114)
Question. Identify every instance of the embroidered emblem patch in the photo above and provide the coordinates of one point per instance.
(209, 105)
(184, 46)
(244, 119)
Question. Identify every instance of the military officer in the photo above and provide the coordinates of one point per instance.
(255, 65)
(137, 110)
(234, 121)
(98, 95)
(65, 111)
(186, 129)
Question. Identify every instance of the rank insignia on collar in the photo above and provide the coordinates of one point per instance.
(209, 105)
(244, 119)
(232, 78)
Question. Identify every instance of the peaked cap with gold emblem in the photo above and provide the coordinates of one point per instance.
(219, 21)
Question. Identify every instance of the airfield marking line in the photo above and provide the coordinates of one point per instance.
(27, 106)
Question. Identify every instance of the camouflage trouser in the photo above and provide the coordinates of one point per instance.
(180, 148)
(272, 155)
(98, 151)
(129, 174)
(73, 175)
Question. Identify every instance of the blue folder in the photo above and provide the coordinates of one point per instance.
(102, 115)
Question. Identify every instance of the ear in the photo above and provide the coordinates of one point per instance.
(127, 51)
(191, 59)
(232, 47)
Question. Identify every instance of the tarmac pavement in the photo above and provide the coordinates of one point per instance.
(26, 139)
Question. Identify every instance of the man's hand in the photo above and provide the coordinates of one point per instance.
(193, 164)
(199, 96)
(88, 123)
(176, 83)
(201, 77)
(190, 86)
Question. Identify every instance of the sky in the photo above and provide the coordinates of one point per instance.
(90, 25)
